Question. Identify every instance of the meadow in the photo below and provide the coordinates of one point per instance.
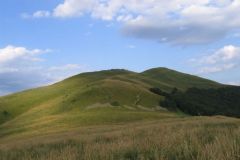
(183, 138)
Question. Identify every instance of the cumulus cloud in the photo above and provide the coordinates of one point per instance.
(171, 21)
(225, 54)
(73, 8)
(21, 68)
(223, 59)
(12, 54)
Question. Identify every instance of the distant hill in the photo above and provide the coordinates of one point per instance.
(110, 96)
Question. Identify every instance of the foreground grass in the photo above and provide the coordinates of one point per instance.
(192, 138)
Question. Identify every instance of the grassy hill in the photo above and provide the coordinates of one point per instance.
(178, 80)
(88, 91)
(106, 99)
(116, 90)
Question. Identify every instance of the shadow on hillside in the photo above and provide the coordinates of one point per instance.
(204, 102)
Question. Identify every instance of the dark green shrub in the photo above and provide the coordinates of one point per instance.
(115, 103)
(5, 113)
(158, 91)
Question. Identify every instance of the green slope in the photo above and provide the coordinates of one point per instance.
(104, 97)
(179, 80)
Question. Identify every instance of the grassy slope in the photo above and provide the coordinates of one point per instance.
(179, 80)
(86, 99)
(191, 138)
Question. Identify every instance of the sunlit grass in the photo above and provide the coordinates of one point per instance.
(202, 138)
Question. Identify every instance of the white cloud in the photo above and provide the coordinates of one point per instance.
(12, 54)
(73, 8)
(227, 53)
(170, 21)
(40, 14)
(214, 69)
(223, 59)
(37, 14)
(22, 68)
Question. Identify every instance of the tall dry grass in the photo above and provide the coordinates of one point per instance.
(216, 138)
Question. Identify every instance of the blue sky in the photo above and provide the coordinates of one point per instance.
(42, 42)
